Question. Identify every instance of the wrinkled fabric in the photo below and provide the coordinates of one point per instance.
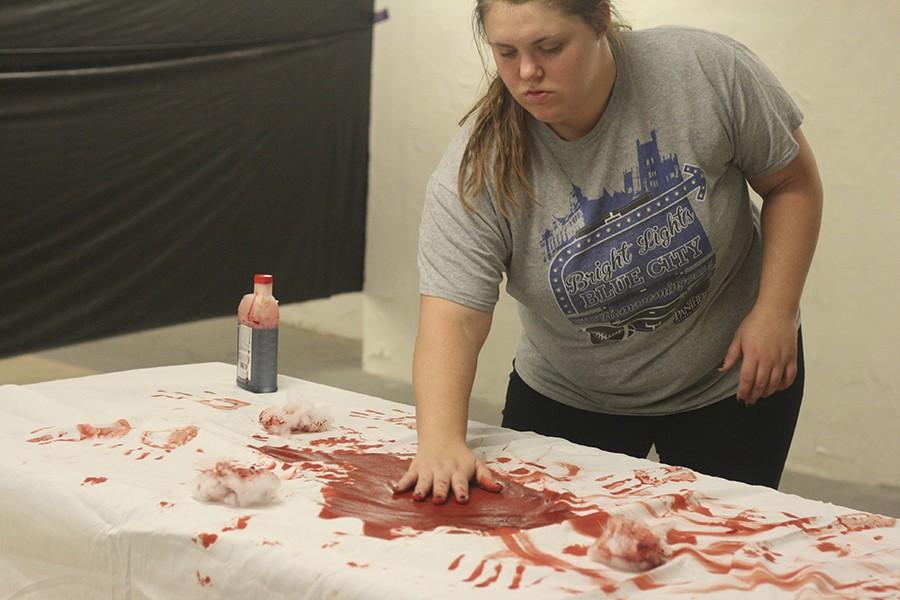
(96, 494)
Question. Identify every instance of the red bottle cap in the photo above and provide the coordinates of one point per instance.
(259, 278)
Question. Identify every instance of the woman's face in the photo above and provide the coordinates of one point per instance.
(555, 65)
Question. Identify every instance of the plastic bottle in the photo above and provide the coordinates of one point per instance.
(257, 362)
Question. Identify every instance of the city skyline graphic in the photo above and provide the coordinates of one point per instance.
(634, 258)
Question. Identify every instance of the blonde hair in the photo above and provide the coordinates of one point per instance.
(498, 145)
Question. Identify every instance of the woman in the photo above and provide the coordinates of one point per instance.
(605, 173)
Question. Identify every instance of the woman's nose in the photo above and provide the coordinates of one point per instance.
(529, 69)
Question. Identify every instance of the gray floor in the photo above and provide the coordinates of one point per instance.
(325, 359)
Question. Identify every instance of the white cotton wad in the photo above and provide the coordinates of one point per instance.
(628, 546)
(296, 416)
(234, 485)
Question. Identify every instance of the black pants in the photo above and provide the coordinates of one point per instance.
(727, 439)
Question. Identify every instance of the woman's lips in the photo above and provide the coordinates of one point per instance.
(538, 96)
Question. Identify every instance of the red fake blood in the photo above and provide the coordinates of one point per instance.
(240, 524)
(493, 578)
(204, 580)
(646, 582)
(517, 579)
(93, 480)
(365, 495)
(344, 440)
(747, 524)
(643, 479)
(169, 439)
(165, 504)
(829, 547)
(271, 420)
(86, 432)
(215, 401)
(407, 421)
(455, 562)
(224, 403)
(791, 581)
(620, 542)
(205, 539)
(521, 545)
(575, 550)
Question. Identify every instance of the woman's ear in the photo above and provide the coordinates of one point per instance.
(604, 19)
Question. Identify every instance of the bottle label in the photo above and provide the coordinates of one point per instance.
(245, 352)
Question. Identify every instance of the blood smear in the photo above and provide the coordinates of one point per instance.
(169, 439)
(366, 495)
(85, 432)
(206, 539)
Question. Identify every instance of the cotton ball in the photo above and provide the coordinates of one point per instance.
(296, 416)
(628, 546)
(234, 485)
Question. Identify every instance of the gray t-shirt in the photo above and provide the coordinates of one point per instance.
(641, 255)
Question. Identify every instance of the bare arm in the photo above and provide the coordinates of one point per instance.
(447, 346)
(791, 215)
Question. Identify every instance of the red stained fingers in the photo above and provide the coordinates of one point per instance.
(460, 487)
(486, 479)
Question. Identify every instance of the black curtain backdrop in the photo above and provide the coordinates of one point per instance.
(155, 155)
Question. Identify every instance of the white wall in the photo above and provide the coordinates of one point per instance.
(339, 315)
(840, 62)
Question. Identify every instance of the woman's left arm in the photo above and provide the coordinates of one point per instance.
(767, 338)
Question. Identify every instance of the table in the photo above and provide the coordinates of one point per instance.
(96, 493)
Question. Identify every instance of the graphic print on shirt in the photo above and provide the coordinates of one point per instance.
(630, 260)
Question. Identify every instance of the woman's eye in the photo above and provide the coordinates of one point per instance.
(551, 49)
(508, 54)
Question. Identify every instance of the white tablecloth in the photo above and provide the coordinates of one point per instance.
(105, 510)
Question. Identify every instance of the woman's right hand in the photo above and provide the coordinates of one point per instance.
(443, 468)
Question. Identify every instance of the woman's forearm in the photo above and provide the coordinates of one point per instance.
(791, 217)
(446, 354)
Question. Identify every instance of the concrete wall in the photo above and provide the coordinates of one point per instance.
(839, 61)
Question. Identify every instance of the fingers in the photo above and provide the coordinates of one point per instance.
(423, 486)
(790, 374)
(747, 381)
(440, 483)
(439, 489)
(437, 483)
(486, 479)
(460, 488)
(761, 380)
(732, 356)
(776, 376)
(406, 482)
